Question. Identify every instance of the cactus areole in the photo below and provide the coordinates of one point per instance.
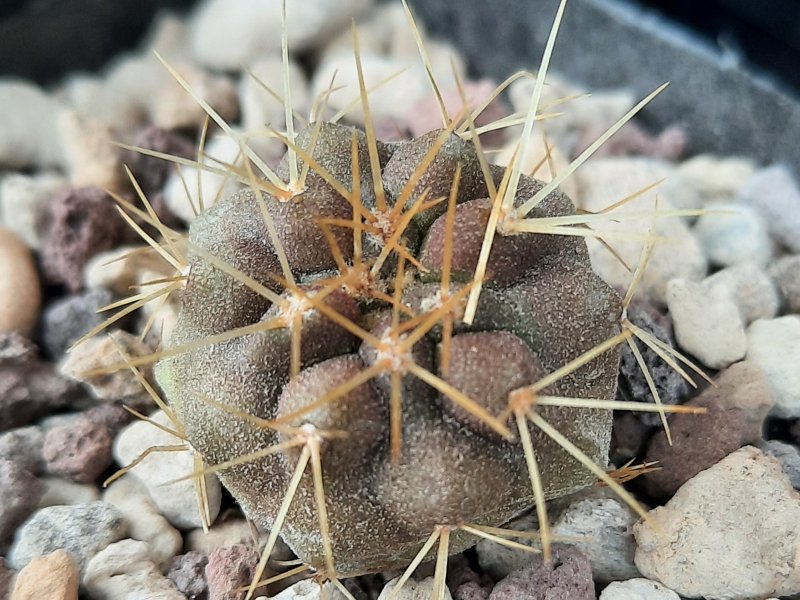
(377, 350)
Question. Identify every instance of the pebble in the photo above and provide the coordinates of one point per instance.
(738, 235)
(19, 493)
(774, 345)
(150, 172)
(638, 589)
(23, 203)
(146, 524)
(177, 501)
(499, 561)
(742, 514)
(226, 34)
(80, 451)
(567, 577)
(30, 139)
(63, 492)
(83, 530)
(29, 387)
(23, 447)
(187, 572)
(605, 181)
(106, 350)
(174, 108)
(411, 590)
(51, 577)
(607, 523)
(392, 102)
(212, 185)
(786, 273)
(95, 97)
(228, 569)
(707, 322)
(633, 140)
(774, 192)
(789, 457)
(707, 179)
(20, 294)
(671, 386)
(113, 416)
(66, 320)
(92, 157)
(82, 222)
(6, 580)
(750, 288)
(124, 571)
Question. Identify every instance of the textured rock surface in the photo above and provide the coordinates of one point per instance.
(607, 522)
(638, 589)
(51, 577)
(124, 571)
(774, 345)
(567, 577)
(789, 457)
(176, 501)
(228, 569)
(23, 446)
(80, 451)
(187, 572)
(412, 590)
(82, 530)
(65, 321)
(742, 512)
(750, 289)
(19, 493)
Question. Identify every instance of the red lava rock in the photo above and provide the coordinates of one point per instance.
(633, 140)
(81, 223)
(20, 493)
(672, 388)
(228, 569)
(151, 173)
(29, 387)
(188, 573)
(567, 577)
(80, 451)
(112, 416)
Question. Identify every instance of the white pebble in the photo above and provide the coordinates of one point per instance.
(20, 295)
(95, 97)
(774, 345)
(729, 533)
(24, 200)
(707, 323)
(212, 185)
(226, 34)
(177, 501)
(750, 288)
(92, 158)
(637, 589)
(774, 192)
(29, 136)
(605, 181)
(413, 590)
(740, 235)
(145, 522)
(63, 492)
(125, 571)
(707, 178)
(174, 108)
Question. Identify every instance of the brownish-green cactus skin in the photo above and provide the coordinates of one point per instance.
(541, 306)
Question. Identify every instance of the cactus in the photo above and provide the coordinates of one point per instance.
(385, 345)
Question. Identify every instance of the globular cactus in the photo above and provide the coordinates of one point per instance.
(363, 363)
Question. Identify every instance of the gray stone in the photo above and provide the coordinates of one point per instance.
(23, 446)
(19, 493)
(65, 321)
(750, 289)
(82, 530)
(789, 457)
(187, 572)
(738, 236)
(23, 203)
(567, 577)
(786, 273)
(411, 590)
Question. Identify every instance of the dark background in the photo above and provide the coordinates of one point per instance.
(43, 39)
